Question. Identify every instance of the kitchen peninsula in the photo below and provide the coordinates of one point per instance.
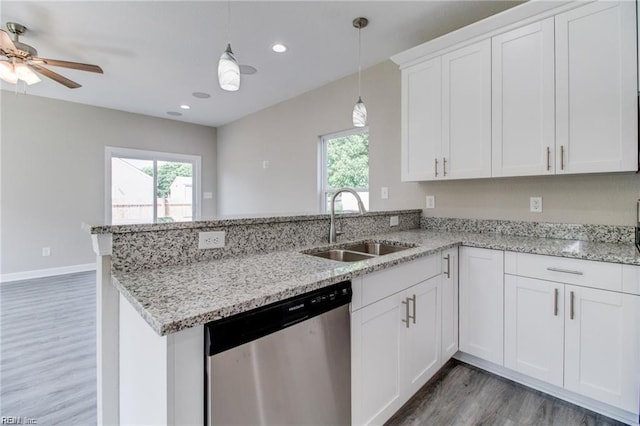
(156, 289)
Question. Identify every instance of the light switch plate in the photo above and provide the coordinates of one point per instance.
(394, 220)
(211, 239)
(384, 193)
(535, 204)
(431, 201)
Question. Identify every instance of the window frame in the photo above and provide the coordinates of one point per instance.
(155, 156)
(323, 178)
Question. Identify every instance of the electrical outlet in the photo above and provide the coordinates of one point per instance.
(535, 204)
(431, 201)
(211, 239)
(46, 251)
(394, 221)
(384, 193)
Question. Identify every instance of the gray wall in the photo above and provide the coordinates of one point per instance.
(287, 135)
(52, 173)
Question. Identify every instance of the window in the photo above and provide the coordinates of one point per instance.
(151, 187)
(344, 162)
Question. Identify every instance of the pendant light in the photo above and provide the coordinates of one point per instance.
(228, 68)
(359, 110)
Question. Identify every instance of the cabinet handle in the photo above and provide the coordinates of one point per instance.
(555, 302)
(565, 271)
(444, 166)
(435, 160)
(571, 312)
(548, 158)
(405, 302)
(413, 299)
(448, 271)
(561, 157)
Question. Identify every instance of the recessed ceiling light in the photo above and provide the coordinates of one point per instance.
(201, 95)
(185, 106)
(279, 48)
(174, 113)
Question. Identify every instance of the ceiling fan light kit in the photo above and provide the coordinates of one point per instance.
(359, 115)
(23, 64)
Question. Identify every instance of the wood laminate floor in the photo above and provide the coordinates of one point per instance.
(464, 395)
(48, 350)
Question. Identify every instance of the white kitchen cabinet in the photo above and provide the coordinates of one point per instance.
(449, 309)
(602, 349)
(396, 349)
(534, 328)
(377, 345)
(592, 346)
(466, 112)
(481, 303)
(523, 106)
(421, 120)
(596, 88)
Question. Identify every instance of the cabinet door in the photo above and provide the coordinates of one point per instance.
(421, 121)
(481, 303)
(466, 112)
(449, 304)
(534, 328)
(523, 107)
(601, 346)
(377, 336)
(422, 345)
(596, 128)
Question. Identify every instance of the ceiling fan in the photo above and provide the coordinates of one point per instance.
(22, 61)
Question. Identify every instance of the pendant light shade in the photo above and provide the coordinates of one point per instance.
(228, 71)
(359, 115)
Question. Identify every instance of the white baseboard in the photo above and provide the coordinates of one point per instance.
(582, 401)
(50, 272)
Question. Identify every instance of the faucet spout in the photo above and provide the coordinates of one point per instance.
(333, 234)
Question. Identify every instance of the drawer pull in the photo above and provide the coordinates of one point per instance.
(435, 163)
(555, 302)
(548, 159)
(571, 311)
(448, 271)
(406, 312)
(565, 271)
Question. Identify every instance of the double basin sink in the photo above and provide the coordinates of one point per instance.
(361, 250)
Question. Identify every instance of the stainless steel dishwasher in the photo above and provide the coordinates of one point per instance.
(287, 363)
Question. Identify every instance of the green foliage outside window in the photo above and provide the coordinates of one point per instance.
(348, 161)
(167, 173)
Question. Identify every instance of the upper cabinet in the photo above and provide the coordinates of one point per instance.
(523, 114)
(466, 112)
(522, 96)
(596, 126)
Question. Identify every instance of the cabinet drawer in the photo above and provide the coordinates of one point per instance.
(378, 285)
(588, 273)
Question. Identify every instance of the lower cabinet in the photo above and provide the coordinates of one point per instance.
(481, 303)
(404, 327)
(583, 339)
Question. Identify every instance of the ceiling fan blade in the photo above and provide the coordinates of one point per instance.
(72, 65)
(55, 76)
(5, 42)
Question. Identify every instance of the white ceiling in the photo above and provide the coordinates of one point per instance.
(155, 54)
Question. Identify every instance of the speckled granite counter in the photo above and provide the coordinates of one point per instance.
(173, 298)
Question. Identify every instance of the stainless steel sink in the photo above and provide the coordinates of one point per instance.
(361, 250)
(375, 248)
(342, 255)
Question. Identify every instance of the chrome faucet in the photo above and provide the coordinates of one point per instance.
(332, 228)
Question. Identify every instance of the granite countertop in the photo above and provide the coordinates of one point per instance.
(174, 298)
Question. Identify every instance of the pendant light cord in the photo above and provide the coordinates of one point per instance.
(228, 21)
(359, 62)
